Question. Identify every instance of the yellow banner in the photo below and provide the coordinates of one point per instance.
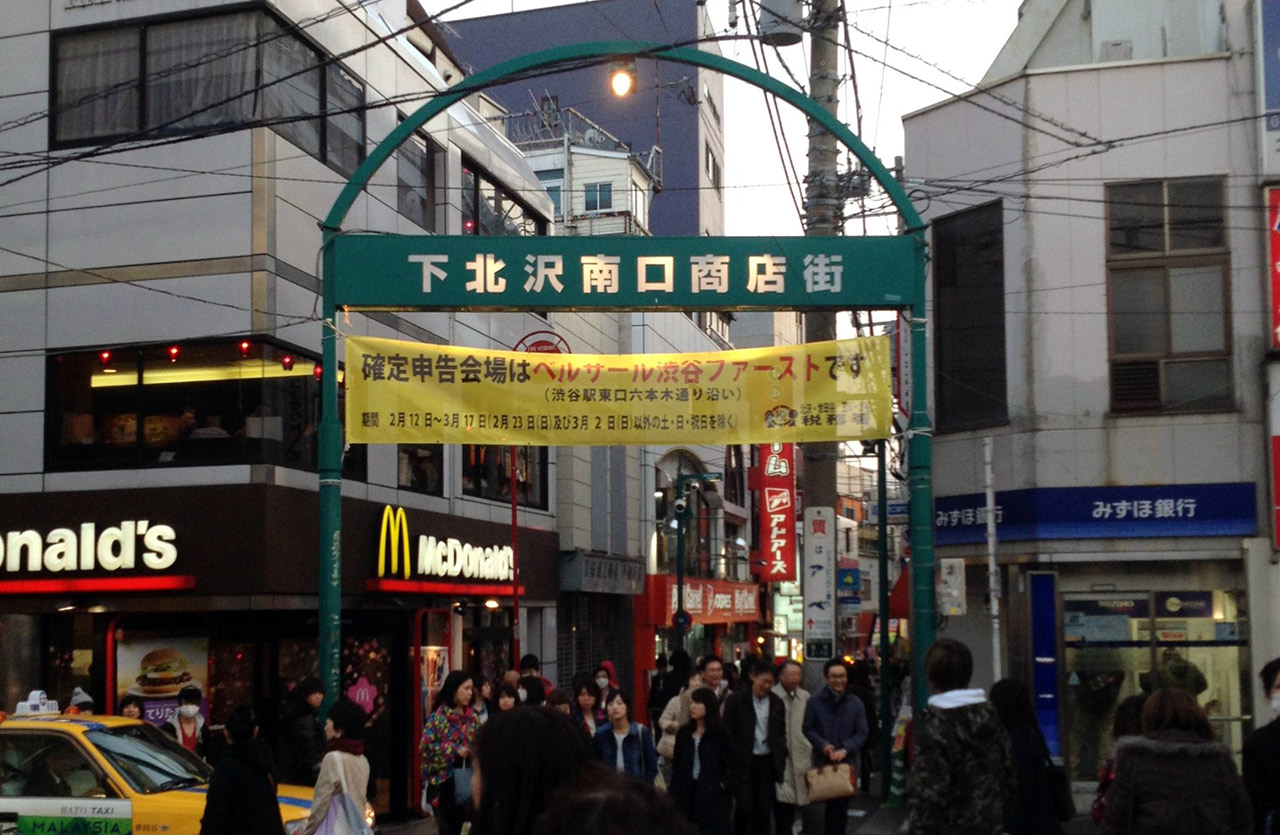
(410, 392)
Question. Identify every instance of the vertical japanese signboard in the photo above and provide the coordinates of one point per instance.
(1273, 262)
(819, 583)
(1269, 89)
(776, 479)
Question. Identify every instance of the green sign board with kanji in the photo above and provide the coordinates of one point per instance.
(470, 272)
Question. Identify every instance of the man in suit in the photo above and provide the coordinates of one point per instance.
(756, 721)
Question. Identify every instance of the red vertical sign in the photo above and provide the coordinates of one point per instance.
(1273, 261)
(776, 480)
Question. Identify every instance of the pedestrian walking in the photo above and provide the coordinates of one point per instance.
(658, 696)
(1128, 722)
(623, 745)
(521, 758)
(962, 778)
(1175, 779)
(529, 689)
(301, 743)
(585, 709)
(756, 721)
(836, 726)
(1262, 759)
(343, 769)
(860, 686)
(703, 765)
(508, 697)
(606, 680)
(482, 699)
(531, 666)
(792, 791)
(242, 789)
(131, 707)
(557, 699)
(713, 676)
(447, 736)
(187, 726)
(1032, 812)
(676, 714)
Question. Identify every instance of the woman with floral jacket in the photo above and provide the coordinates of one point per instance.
(446, 745)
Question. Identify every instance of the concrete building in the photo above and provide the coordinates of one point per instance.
(1098, 298)
(166, 165)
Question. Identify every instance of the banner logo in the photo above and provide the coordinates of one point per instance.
(394, 531)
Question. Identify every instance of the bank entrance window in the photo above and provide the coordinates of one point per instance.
(1121, 645)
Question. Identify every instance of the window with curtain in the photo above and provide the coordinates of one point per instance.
(416, 181)
(225, 70)
(97, 77)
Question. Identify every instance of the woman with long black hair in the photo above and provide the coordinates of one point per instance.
(447, 736)
(704, 761)
(521, 757)
(1033, 812)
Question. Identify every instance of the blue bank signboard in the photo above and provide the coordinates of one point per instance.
(1100, 513)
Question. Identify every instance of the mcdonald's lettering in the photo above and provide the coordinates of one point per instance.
(438, 557)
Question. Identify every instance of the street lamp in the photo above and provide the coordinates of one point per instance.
(682, 620)
(622, 77)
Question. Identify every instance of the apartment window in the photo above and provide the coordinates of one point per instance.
(486, 473)
(969, 349)
(185, 404)
(1167, 280)
(416, 181)
(599, 197)
(198, 75)
(712, 167)
(489, 209)
(553, 181)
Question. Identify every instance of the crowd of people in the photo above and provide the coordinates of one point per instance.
(723, 750)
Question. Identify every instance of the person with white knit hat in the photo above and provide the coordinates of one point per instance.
(81, 701)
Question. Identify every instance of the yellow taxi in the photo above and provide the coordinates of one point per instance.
(109, 776)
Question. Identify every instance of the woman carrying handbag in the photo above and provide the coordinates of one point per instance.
(340, 801)
(446, 750)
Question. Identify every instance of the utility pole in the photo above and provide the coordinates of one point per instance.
(993, 570)
(823, 218)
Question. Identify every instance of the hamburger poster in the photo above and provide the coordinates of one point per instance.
(157, 669)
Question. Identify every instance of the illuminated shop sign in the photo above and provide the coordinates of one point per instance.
(401, 568)
(131, 546)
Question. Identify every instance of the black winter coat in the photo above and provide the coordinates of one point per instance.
(1262, 774)
(301, 746)
(242, 794)
(740, 722)
(1175, 783)
(1032, 812)
(706, 800)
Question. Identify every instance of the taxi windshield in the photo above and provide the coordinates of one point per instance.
(149, 760)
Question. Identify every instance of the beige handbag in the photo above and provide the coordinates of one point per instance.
(667, 746)
(831, 782)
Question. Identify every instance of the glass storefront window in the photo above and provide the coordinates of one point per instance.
(1121, 645)
(421, 468)
(185, 404)
(486, 474)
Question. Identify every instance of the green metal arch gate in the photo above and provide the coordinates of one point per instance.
(330, 432)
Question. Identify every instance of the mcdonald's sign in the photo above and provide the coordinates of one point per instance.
(394, 535)
(444, 558)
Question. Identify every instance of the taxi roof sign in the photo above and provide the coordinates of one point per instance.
(36, 704)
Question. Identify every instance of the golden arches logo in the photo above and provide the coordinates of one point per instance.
(395, 532)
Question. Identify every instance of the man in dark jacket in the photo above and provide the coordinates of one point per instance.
(302, 742)
(756, 721)
(962, 778)
(835, 723)
(1262, 758)
(242, 790)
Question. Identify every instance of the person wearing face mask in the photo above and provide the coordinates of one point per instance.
(1261, 766)
(187, 725)
(605, 681)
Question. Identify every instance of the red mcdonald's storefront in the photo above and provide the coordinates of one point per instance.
(225, 575)
(716, 604)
